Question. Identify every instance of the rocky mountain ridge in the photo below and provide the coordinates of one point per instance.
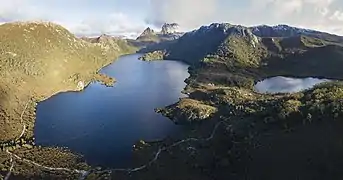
(279, 31)
(169, 31)
(169, 28)
(272, 38)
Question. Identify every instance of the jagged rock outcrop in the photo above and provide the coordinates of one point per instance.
(168, 33)
(148, 35)
(169, 28)
(148, 31)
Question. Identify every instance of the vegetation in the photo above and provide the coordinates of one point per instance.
(156, 55)
(188, 109)
(51, 157)
(263, 136)
(233, 132)
(39, 59)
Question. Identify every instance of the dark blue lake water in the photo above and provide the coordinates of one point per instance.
(102, 123)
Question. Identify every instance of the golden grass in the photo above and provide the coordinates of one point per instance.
(39, 59)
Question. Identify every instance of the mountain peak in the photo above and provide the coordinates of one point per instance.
(148, 31)
(169, 28)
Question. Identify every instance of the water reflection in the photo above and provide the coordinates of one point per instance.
(280, 84)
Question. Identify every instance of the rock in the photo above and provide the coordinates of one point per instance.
(80, 85)
(169, 28)
(147, 32)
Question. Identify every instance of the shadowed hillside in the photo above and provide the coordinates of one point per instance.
(237, 133)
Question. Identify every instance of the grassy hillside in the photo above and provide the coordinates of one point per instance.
(39, 60)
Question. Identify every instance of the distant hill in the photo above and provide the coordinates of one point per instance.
(39, 59)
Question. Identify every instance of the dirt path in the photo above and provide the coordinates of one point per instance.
(160, 150)
(22, 121)
(8, 175)
(83, 173)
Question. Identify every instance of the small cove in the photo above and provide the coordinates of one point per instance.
(102, 123)
(281, 84)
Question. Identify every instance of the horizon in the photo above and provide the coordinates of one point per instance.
(119, 18)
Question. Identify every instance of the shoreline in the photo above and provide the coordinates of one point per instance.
(26, 142)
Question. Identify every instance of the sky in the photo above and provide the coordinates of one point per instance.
(131, 17)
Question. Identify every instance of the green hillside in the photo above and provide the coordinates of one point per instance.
(39, 60)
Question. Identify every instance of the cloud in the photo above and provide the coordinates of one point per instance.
(326, 15)
(112, 24)
(188, 13)
(19, 10)
(120, 18)
(85, 23)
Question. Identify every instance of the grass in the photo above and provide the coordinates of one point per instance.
(38, 60)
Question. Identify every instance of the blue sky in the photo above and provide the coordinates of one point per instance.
(130, 17)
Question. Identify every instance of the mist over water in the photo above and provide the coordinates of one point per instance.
(280, 84)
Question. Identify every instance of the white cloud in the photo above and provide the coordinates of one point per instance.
(88, 19)
(188, 13)
(323, 15)
(337, 15)
(16, 10)
(113, 24)
(89, 25)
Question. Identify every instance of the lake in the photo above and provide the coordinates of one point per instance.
(280, 84)
(102, 123)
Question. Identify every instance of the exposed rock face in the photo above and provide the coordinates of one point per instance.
(80, 86)
(104, 37)
(169, 28)
(148, 31)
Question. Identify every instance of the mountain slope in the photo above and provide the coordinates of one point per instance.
(38, 60)
(230, 47)
(237, 133)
